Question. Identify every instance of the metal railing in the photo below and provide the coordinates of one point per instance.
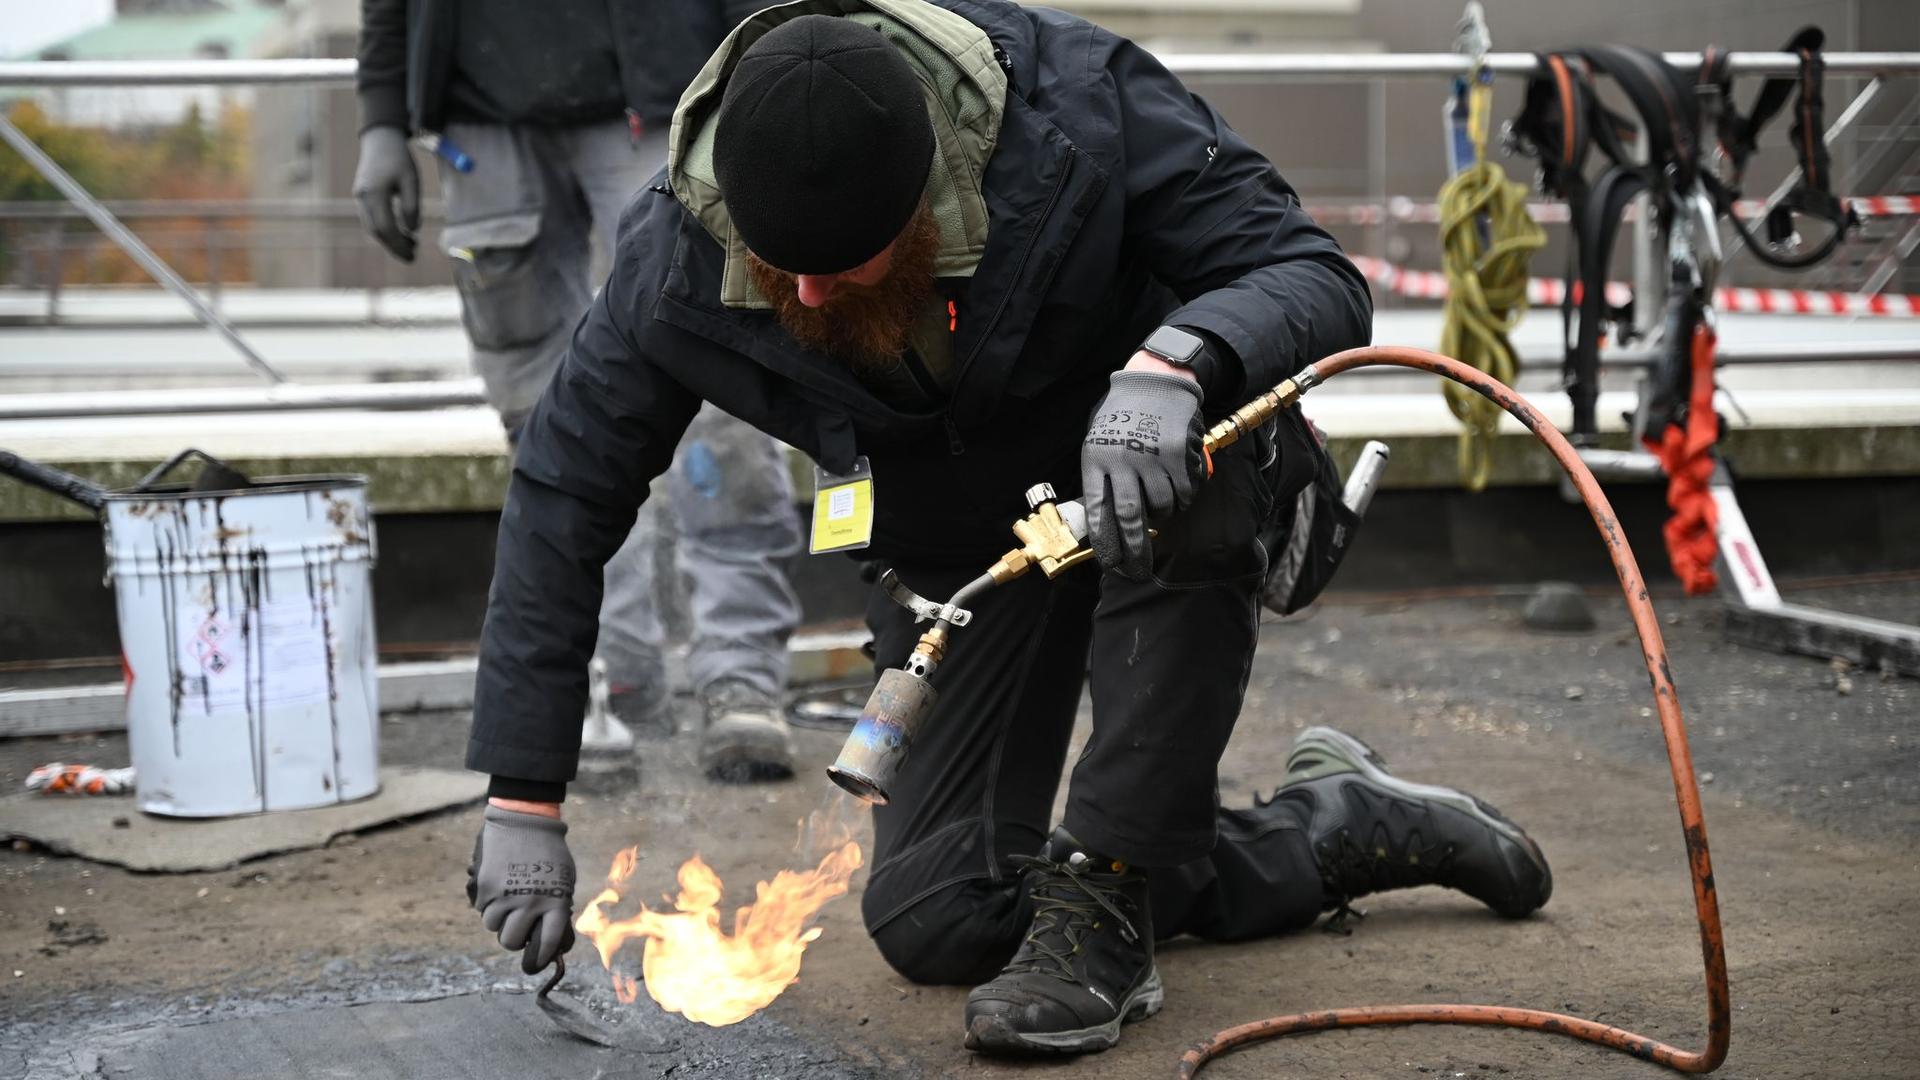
(1306, 66)
(212, 243)
(1370, 68)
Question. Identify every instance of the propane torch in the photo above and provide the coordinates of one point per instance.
(1052, 537)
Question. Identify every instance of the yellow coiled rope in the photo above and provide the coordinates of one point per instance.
(1487, 289)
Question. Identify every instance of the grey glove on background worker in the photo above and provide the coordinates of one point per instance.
(521, 883)
(386, 185)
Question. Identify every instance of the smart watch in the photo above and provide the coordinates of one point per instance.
(1174, 345)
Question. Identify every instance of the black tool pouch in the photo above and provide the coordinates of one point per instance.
(1310, 530)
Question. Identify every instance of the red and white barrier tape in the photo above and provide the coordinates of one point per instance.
(1881, 205)
(1550, 213)
(1548, 292)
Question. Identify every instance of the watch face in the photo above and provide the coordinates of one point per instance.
(1174, 345)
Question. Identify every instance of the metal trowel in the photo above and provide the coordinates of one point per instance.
(568, 1016)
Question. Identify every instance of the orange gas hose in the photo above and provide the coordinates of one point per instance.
(1686, 790)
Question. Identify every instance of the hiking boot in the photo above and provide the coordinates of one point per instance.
(649, 712)
(1086, 966)
(1372, 831)
(745, 737)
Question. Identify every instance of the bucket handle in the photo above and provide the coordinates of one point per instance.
(60, 482)
(174, 462)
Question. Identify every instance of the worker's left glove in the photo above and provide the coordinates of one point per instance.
(1142, 459)
(521, 883)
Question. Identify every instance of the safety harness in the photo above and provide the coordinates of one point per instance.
(1561, 120)
(1738, 134)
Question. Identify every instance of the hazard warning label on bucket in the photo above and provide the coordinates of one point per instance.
(272, 654)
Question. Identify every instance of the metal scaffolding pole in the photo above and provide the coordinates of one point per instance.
(286, 397)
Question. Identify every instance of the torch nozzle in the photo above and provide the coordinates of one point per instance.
(878, 744)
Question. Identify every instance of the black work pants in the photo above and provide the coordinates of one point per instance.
(1169, 665)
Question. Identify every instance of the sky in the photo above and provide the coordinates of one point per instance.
(26, 25)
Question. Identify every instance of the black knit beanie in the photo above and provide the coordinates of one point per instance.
(824, 145)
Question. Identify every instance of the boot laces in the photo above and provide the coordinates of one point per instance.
(1066, 911)
(1360, 865)
(1356, 865)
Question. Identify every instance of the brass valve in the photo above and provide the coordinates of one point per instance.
(1047, 541)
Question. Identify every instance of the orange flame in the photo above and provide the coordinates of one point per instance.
(693, 967)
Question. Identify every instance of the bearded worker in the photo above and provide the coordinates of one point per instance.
(959, 248)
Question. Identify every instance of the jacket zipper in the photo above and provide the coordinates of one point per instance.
(954, 445)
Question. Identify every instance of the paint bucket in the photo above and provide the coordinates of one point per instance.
(246, 627)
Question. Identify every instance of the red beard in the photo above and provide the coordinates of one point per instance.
(865, 326)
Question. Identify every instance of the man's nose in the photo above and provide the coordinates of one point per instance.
(815, 289)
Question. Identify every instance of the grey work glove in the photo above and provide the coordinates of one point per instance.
(521, 883)
(387, 187)
(1142, 459)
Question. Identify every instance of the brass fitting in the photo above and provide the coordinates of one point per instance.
(1251, 415)
(927, 652)
(1011, 565)
(932, 644)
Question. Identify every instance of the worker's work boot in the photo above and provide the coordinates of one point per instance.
(647, 711)
(1372, 831)
(745, 737)
(1086, 966)
(638, 694)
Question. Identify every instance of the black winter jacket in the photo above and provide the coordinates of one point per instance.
(1117, 201)
(406, 55)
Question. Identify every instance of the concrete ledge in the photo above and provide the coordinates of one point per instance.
(454, 482)
(1518, 459)
(398, 484)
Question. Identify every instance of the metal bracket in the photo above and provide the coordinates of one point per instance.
(923, 609)
(1817, 632)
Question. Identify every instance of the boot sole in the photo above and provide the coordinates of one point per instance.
(994, 1035)
(1330, 742)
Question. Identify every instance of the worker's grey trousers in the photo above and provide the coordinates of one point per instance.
(521, 230)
